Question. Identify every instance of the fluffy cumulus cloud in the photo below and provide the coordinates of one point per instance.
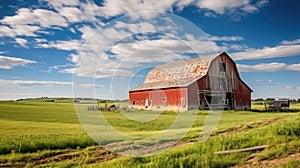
(106, 49)
(268, 52)
(113, 51)
(10, 62)
(268, 67)
(221, 7)
(42, 17)
(18, 30)
(115, 7)
(64, 13)
(286, 42)
(27, 22)
(22, 42)
(62, 45)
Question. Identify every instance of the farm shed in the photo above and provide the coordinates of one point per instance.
(281, 105)
(208, 82)
(278, 105)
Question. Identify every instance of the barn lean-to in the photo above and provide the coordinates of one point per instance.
(208, 82)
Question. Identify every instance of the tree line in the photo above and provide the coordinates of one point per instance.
(272, 99)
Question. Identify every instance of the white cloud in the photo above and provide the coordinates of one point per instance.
(18, 30)
(294, 67)
(4, 82)
(62, 45)
(183, 3)
(40, 40)
(26, 30)
(54, 67)
(170, 45)
(116, 7)
(7, 31)
(262, 3)
(286, 42)
(221, 7)
(89, 85)
(98, 73)
(264, 81)
(267, 52)
(289, 88)
(42, 17)
(20, 83)
(10, 62)
(226, 38)
(22, 42)
(72, 14)
(63, 3)
(29, 22)
(236, 47)
(68, 70)
(75, 14)
(127, 52)
(141, 27)
(96, 40)
(57, 67)
(268, 67)
(112, 73)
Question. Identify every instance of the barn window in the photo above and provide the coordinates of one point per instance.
(133, 102)
(164, 100)
(222, 67)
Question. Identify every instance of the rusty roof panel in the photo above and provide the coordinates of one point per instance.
(176, 74)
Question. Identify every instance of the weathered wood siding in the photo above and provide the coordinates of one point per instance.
(219, 80)
(174, 99)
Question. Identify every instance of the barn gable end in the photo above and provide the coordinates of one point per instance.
(193, 84)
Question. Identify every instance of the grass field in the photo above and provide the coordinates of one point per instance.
(48, 134)
(33, 126)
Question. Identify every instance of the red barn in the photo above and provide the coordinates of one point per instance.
(210, 82)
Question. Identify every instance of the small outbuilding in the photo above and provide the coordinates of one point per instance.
(208, 82)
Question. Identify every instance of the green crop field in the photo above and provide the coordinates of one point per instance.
(39, 133)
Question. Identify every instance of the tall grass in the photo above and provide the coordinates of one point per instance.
(200, 154)
(33, 126)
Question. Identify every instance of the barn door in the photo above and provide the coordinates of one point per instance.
(229, 101)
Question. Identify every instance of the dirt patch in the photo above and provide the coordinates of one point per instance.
(271, 163)
(86, 156)
(232, 130)
(83, 156)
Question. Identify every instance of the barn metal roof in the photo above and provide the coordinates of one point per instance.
(176, 74)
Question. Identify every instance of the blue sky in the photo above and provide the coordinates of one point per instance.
(66, 48)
